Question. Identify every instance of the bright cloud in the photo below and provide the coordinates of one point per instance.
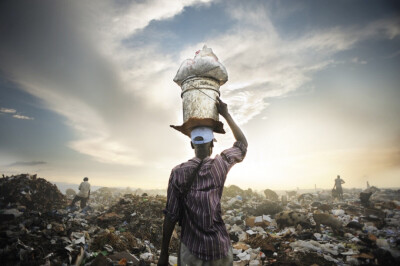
(23, 117)
(270, 66)
(118, 100)
(8, 111)
(15, 115)
(89, 77)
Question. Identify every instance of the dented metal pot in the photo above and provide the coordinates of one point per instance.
(199, 95)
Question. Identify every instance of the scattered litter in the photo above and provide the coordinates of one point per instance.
(122, 227)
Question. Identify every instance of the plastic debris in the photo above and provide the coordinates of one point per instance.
(122, 227)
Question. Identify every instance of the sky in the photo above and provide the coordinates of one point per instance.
(86, 89)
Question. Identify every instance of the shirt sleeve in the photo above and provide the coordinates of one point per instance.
(235, 154)
(172, 209)
(224, 161)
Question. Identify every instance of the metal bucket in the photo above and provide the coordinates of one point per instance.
(199, 95)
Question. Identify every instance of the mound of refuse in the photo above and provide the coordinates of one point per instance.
(120, 228)
(29, 192)
(235, 191)
(312, 230)
(115, 228)
(133, 213)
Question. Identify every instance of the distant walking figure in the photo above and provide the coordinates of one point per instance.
(338, 187)
(83, 194)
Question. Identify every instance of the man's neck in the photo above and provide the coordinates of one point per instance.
(202, 154)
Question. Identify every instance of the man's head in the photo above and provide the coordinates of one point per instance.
(338, 177)
(86, 179)
(202, 141)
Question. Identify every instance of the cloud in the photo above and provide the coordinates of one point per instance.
(119, 100)
(73, 58)
(393, 55)
(115, 21)
(262, 64)
(356, 60)
(31, 163)
(13, 111)
(23, 117)
(8, 111)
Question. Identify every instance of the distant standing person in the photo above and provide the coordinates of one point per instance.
(338, 186)
(83, 194)
(196, 204)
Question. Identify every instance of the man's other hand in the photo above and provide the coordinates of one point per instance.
(163, 260)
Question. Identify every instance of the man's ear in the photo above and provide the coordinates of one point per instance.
(191, 144)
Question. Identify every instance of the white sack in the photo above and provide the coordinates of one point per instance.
(204, 64)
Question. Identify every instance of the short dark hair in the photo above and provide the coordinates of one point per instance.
(203, 145)
(86, 179)
(199, 138)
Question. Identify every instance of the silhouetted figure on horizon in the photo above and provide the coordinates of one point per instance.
(338, 187)
(83, 194)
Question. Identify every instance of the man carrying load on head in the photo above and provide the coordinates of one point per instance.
(194, 195)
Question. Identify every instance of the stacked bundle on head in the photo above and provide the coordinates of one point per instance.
(200, 79)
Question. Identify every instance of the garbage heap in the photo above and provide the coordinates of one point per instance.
(29, 192)
(314, 229)
(200, 80)
(119, 228)
(114, 229)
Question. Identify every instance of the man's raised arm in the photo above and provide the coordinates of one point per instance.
(237, 132)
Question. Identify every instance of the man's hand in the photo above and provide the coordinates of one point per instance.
(237, 132)
(168, 228)
(163, 260)
(222, 108)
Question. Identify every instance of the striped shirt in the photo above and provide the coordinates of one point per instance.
(203, 230)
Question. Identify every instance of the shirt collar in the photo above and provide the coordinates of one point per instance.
(198, 160)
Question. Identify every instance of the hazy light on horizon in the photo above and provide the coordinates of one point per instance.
(87, 89)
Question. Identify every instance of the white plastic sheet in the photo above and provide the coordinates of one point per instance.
(204, 64)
